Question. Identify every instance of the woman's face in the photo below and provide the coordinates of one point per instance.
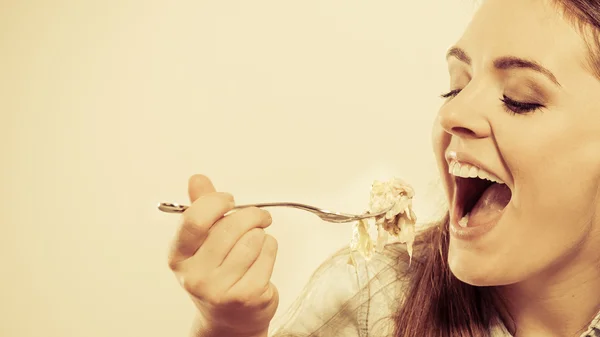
(525, 111)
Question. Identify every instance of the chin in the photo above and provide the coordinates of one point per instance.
(474, 269)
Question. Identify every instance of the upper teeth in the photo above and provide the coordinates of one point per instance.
(465, 170)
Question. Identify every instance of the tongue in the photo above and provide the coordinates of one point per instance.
(490, 205)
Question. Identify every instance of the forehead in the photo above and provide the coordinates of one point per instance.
(530, 29)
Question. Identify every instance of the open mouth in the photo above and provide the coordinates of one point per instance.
(479, 196)
(468, 193)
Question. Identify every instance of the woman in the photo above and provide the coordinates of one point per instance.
(517, 257)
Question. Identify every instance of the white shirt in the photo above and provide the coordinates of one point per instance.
(358, 300)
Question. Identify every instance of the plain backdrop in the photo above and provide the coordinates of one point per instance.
(107, 107)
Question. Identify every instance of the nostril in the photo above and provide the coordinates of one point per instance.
(461, 131)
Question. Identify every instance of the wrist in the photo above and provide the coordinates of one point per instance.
(203, 328)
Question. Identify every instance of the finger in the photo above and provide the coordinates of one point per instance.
(196, 222)
(223, 236)
(258, 277)
(199, 185)
(245, 252)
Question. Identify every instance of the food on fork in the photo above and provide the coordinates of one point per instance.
(399, 222)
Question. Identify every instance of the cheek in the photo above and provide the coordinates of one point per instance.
(551, 197)
(556, 177)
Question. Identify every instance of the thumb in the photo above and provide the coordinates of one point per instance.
(199, 185)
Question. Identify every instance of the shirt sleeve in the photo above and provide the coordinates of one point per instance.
(348, 296)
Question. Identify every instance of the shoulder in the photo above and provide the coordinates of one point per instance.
(350, 294)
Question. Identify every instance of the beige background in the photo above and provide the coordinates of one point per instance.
(108, 107)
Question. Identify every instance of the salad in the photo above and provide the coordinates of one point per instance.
(399, 222)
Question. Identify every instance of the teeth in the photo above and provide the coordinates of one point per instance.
(483, 175)
(456, 169)
(473, 171)
(465, 170)
(464, 221)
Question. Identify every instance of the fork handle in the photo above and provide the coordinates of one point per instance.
(176, 208)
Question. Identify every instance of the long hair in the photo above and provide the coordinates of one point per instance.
(437, 304)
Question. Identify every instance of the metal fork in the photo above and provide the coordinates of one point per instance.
(324, 214)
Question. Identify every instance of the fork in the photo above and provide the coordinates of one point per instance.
(329, 216)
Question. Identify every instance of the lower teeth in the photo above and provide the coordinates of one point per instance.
(464, 221)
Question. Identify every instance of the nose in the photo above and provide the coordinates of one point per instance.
(463, 117)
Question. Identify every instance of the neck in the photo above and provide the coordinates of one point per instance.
(559, 303)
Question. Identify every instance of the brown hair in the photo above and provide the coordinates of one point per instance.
(437, 303)
(585, 15)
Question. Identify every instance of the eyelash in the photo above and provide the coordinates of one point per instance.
(510, 105)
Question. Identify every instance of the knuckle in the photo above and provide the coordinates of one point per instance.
(253, 212)
(172, 262)
(191, 223)
(215, 299)
(228, 197)
(196, 286)
(193, 285)
(224, 202)
(205, 211)
(254, 238)
(257, 233)
(188, 219)
(222, 197)
(216, 200)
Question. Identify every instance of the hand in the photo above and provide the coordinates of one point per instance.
(225, 262)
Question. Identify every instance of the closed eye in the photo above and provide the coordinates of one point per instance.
(518, 107)
(451, 93)
(510, 105)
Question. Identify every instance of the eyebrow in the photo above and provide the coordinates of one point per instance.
(505, 63)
